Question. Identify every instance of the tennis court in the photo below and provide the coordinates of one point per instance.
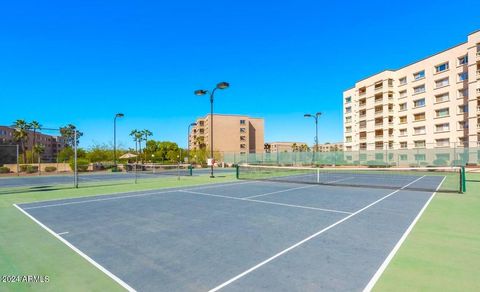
(244, 235)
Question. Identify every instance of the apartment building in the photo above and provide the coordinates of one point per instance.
(52, 144)
(274, 147)
(231, 133)
(429, 104)
(330, 147)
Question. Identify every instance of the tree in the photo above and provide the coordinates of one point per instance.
(137, 137)
(68, 134)
(146, 133)
(38, 149)
(21, 136)
(294, 147)
(34, 125)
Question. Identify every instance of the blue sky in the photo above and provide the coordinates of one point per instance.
(81, 62)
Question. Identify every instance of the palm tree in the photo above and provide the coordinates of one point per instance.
(34, 125)
(146, 133)
(21, 136)
(294, 147)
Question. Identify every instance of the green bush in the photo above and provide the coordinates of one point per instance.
(50, 168)
(23, 167)
(31, 169)
(4, 169)
(82, 164)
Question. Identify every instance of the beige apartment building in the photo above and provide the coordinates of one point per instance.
(330, 147)
(231, 133)
(429, 104)
(52, 144)
(275, 147)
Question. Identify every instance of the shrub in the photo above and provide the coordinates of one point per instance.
(4, 169)
(31, 169)
(23, 167)
(82, 164)
(50, 168)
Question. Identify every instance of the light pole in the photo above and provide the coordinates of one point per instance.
(221, 85)
(315, 117)
(188, 141)
(119, 115)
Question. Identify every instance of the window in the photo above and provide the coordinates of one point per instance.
(419, 143)
(363, 124)
(463, 76)
(419, 102)
(419, 130)
(419, 89)
(442, 127)
(403, 119)
(348, 129)
(402, 80)
(444, 112)
(243, 146)
(463, 109)
(419, 75)
(463, 60)
(403, 93)
(349, 139)
(403, 106)
(441, 82)
(441, 67)
(403, 145)
(442, 97)
(348, 119)
(348, 110)
(348, 99)
(403, 157)
(463, 93)
(403, 132)
(242, 122)
(462, 125)
(420, 157)
(243, 138)
(443, 142)
(243, 130)
(419, 117)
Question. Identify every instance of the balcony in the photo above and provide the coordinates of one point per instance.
(378, 125)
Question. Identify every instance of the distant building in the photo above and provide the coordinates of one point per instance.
(330, 147)
(52, 144)
(274, 147)
(231, 133)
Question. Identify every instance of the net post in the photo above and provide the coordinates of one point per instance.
(463, 182)
(18, 162)
(75, 166)
(190, 170)
(318, 175)
(237, 171)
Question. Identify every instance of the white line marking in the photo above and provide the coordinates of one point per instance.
(90, 260)
(277, 192)
(169, 190)
(307, 239)
(397, 246)
(266, 202)
(63, 233)
(144, 191)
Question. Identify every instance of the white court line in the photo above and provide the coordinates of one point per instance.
(277, 192)
(63, 233)
(395, 249)
(266, 202)
(90, 260)
(147, 193)
(307, 239)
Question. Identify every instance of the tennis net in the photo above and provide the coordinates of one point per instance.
(445, 179)
(160, 169)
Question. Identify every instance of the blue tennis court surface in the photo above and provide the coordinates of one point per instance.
(241, 236)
